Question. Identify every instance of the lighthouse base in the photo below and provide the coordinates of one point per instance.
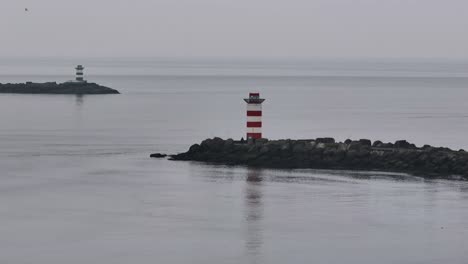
(254, 135)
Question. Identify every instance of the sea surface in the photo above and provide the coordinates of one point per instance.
(77, 184)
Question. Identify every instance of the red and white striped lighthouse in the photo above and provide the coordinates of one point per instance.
(254, 115)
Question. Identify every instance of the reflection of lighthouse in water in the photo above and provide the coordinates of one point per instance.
(253, 214)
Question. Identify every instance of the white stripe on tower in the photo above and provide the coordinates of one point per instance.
(254, 119)
(254, 130)
(254, 107)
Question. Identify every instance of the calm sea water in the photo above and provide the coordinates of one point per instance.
(77, 186)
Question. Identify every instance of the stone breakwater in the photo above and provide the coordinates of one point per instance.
(56, 88)
(325, 153)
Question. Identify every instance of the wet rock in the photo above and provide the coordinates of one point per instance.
(56, 88)
(342, 147)
(403, 144)
(321, 146)
(387, 145)
(377, 144)
(158, 155)
(402, 156)
(325, 140)
(358, 145)
(261, 141)
(194, 148)
(366, 142)
(427, 147)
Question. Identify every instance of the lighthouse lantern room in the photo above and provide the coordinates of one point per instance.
(254, 116)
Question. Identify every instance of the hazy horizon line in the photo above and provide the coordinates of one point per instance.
(211, 57)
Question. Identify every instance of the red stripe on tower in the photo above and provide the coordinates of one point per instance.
(254, 124)
(254, 115)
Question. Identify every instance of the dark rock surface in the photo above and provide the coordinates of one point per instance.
(56, 88)
(158, 155)
(325, 153)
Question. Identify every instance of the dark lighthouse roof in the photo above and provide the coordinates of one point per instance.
(254, 98)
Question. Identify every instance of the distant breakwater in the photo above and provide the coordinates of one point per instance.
(325, 153)
(56, 88)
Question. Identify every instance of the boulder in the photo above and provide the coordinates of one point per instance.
(215, 144)
(403, 144)
(194, 148)
(377, 144)
(261, 141)
(387, 145)
(228, 144)
(158, 155)
(366, 142)
(325, 140)
(355, 145)
(321, 146)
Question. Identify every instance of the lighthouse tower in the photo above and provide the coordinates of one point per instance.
(79, 73)
(254, 116)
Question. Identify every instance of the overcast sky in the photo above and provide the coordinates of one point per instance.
(227, 28)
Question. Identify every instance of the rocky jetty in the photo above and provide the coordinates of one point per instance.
(56, 88)
(325, 153)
